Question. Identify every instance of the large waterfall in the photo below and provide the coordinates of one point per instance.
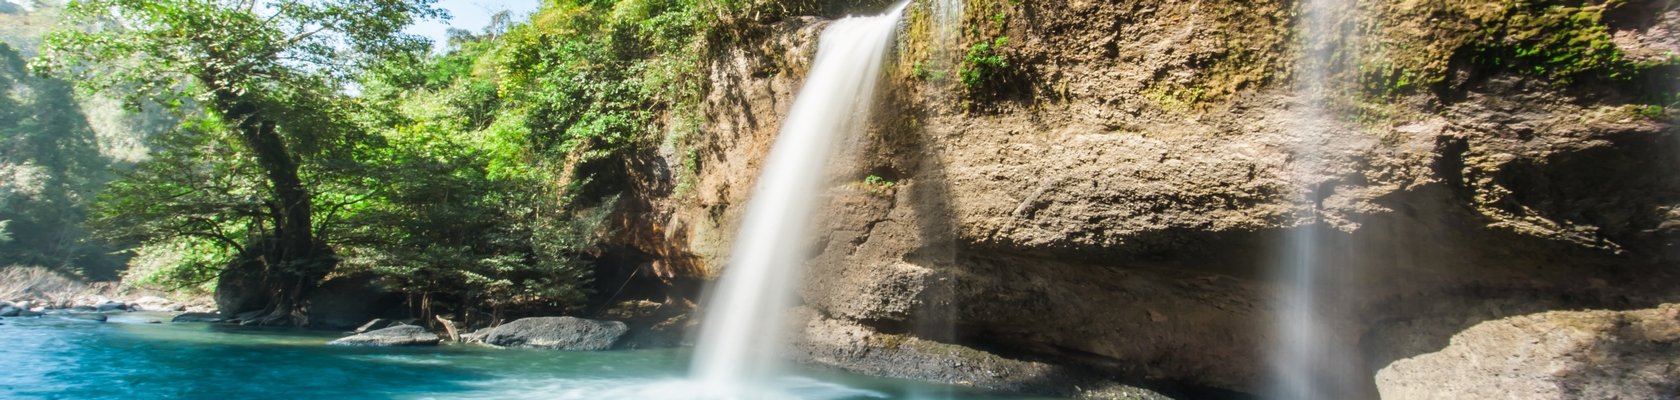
(742, 330)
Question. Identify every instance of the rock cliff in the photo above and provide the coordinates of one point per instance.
(1112, 195)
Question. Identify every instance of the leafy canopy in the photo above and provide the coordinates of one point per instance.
(177, 49)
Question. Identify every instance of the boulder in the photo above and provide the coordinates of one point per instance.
(111, 306)
(154, 303)
(1553, 355)
(401, 335)
(858, 348)
(557, 333)
(381, 323)
(239, 288)
(198, 317)
(348, 302)
(9, 311)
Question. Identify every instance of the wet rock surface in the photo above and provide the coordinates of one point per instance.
(381, 323)
(402, 335)
(860, 349)
(557, 333)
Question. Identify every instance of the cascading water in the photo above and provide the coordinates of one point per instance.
(1300, 358)
(742, 331)
(947, 27)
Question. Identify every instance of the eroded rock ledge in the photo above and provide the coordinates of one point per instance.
(1552, 355)
(1095, 222)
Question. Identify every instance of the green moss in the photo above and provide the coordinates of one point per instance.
(887, 341)
(1652, 112)
(1417, 45)
(1560, 42)
(1236, 47)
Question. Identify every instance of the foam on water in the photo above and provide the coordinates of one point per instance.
(666, 389)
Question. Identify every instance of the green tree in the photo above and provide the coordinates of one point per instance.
(466, 221)
(50, 167)
(271, 74)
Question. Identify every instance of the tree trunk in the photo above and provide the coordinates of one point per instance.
(294, 262)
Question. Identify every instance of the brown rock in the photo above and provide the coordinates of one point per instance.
(1554, 355)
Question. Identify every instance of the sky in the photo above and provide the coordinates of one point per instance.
(471, 15)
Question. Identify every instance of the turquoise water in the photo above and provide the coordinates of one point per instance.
(129, 358)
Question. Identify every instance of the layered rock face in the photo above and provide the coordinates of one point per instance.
(1117, 198)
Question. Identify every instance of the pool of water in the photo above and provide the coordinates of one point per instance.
(131, 358)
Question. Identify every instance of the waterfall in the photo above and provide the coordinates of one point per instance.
(1302, 364)
(947, 28)
(744, 317)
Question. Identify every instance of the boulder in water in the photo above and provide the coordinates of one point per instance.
(381, 323)
(198, 317)
(239, 288)
(9, 311)
(557, 333)
(401, 335)
(111, 306)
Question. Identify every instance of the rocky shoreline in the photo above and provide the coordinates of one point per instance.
(93, 305)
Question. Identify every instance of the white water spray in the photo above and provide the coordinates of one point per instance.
(742, 332)
(1300, 356)
(947, 27)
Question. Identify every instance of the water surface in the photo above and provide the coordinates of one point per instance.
(129, 358)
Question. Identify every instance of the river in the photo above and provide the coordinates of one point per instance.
(131, 358)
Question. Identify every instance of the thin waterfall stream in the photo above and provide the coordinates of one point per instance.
(742, 330)
(1300, 358)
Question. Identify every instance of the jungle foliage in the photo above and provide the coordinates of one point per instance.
(318, 139)
(51, 167)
